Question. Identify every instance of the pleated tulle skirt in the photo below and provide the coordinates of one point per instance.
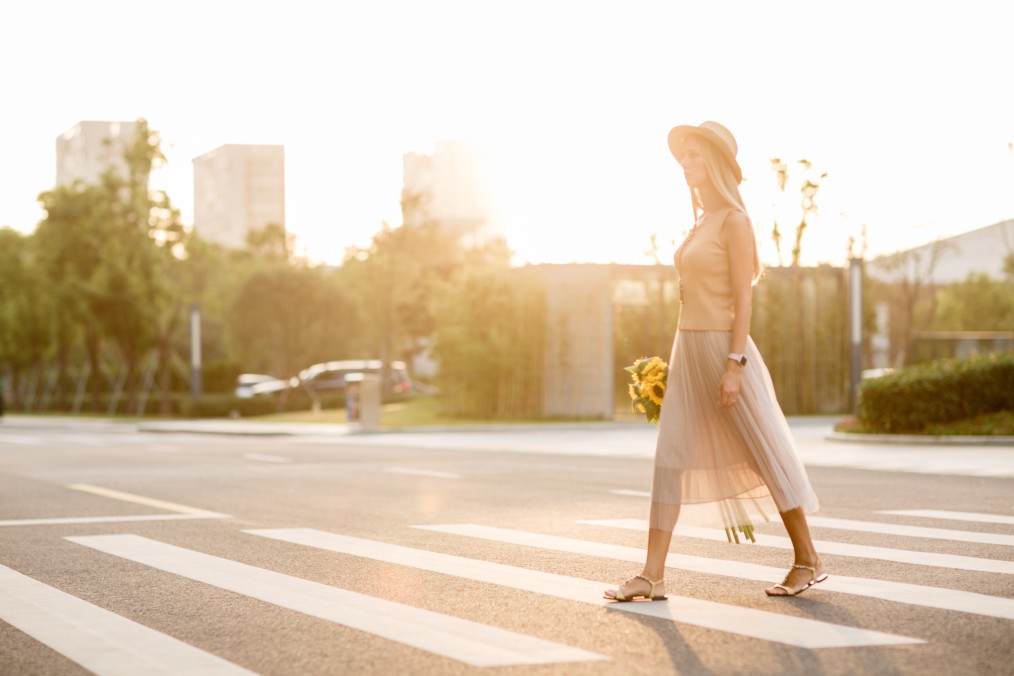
(733, 467)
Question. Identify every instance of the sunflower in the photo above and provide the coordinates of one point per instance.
(653, 392)
(649, 375)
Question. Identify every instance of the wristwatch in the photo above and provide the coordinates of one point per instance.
(738, 358)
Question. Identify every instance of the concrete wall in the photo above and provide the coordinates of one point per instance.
(578, 363)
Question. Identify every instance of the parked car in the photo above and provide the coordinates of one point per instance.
(250, 385)
(330, 376)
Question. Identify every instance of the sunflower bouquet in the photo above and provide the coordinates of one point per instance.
(647, 390)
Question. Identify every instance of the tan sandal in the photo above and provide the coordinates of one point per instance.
(814, 579)
(615, 595)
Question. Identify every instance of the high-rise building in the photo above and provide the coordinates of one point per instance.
(450, 186)
(238, 189)
(89, 148)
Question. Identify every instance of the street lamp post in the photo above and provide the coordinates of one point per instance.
(855, 329)
(195, 352)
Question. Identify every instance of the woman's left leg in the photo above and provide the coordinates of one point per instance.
(805, 555)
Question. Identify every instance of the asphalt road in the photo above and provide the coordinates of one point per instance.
(142, 552)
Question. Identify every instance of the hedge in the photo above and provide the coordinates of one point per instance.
(940, 391)
(227, 405)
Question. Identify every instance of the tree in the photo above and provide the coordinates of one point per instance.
(272, 244)
(808, 205)
(979, 303)
(70, 239)
(906, 284)
(26, 328)
(394, 280)
(108, 251)
(490, 324)
(284, 319)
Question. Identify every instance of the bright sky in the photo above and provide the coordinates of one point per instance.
(909, 107)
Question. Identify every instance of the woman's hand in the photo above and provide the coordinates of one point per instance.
(728, 386)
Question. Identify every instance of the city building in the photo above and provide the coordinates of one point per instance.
(451, 185)
(951, 259)
(89, 148)
(238, 189)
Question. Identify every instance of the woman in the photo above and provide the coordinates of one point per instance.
(724, 454)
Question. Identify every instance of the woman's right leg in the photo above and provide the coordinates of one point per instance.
(658, 549)
(659, 540)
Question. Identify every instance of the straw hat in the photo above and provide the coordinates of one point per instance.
(712, 131)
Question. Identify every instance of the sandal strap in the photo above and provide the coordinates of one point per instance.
(812, 569)
(653, 583)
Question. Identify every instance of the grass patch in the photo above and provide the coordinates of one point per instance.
(999, 423)
(421, 411)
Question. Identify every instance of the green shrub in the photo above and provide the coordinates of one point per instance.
(937, 392)
(227, 405)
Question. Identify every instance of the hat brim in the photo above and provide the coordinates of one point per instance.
(679, 134)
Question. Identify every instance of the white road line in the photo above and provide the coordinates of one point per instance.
(22, 440)
(469, 642)
(97, 639)
(111, 519)
(768, 626)
(422, 472)
(901, 529)
(141, 500)
(264, 457)
(824, 547)
(899, 592)
(953, 516)
(913, 531)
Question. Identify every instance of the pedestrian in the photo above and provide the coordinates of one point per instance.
(724, 454)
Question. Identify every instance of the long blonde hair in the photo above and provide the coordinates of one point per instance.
(724, 180)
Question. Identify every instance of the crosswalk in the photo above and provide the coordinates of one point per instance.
(469, 642)
(105, 643)
(97, 639)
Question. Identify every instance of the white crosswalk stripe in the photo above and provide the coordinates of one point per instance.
(97, 639)
(953, 516)
(902, 529)
(760, 624)
(913, 531)
(826, 547)
(900, 592)
(469, 642)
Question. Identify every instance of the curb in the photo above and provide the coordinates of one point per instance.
(919, 439)
(326, 429)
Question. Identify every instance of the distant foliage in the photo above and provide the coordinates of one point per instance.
(800, 325)
(490, 324)
(979, 303)
(284, 319)
(937, 392)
